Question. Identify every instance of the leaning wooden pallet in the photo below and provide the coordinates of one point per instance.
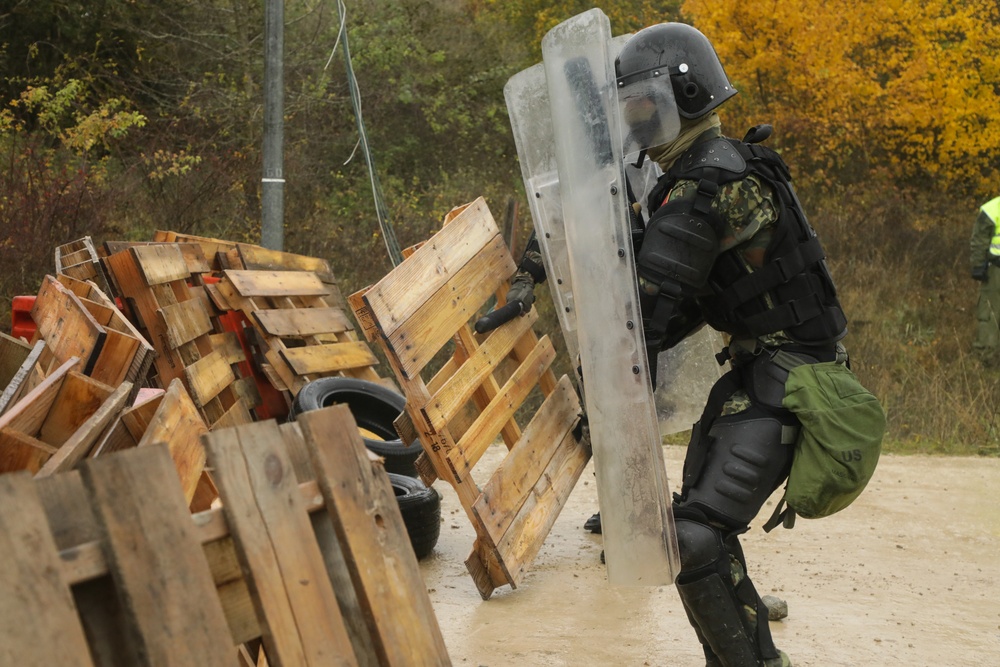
(309, 555)
(154, 280)
(423, 306)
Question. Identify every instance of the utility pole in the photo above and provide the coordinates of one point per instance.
(272, 232)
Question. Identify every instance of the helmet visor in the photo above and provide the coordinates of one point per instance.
(648, 113)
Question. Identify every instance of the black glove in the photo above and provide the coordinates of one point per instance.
(519, 299)
(980, 272)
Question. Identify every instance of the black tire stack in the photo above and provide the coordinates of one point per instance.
(374, 408)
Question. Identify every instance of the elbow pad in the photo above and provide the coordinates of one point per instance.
(679, 249)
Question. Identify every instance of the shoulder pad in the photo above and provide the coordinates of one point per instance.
(719, 153)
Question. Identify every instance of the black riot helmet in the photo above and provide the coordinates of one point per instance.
(681, 52)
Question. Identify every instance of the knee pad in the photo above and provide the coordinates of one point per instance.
(700, 546)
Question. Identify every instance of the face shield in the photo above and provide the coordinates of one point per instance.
(648, 113)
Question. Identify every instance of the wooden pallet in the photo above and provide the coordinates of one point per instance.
(126, 354)
(224, 255)
(55, 425)
(79, 259)
(309, 556)
(303, 337)
(423, 306)
(155, 280)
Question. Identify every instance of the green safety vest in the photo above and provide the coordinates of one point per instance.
(992, 211)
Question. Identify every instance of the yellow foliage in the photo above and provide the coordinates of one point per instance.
(849, 86)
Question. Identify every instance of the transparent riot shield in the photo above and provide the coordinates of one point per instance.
(687, 372)
(639, 542)
(528, 106)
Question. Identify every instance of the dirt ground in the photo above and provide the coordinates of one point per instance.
(908, 575)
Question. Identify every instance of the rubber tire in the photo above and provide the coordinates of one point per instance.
(420, 506)
(374, 408)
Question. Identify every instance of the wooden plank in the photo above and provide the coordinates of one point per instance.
(277, 283)
(13, 352)
(156, 560)
(138, 417)
(300, 322)
(228, 345)
(395, 298)
(487, 425)
(66, 325)
(20, 451)
(178, 425)
(301, 623)
(234, 416)
(144, 304)
(29, 413)
(517, 475)
(417, 339)
(160, 264)
(315, 359)
(35, 601)
(361, 502)
(363, 314)
(115, 360)
(76, 448)
(16, 386)
(72, 522)
(256, 258)
(207, 377)
(184, 321)
(460, 386)
(526, 534)
(79, 397)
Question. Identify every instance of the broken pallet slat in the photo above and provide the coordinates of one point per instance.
(184, 321)
(13, 352)
(21, 451)
(155, 558)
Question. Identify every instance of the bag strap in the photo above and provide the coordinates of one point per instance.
(786, 517)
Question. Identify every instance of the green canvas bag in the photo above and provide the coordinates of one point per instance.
(838, 445)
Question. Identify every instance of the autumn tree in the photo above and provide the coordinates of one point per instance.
(905, 87)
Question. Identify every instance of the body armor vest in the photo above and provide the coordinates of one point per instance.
(792, 291)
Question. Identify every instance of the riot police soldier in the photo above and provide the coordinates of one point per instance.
(727, 243)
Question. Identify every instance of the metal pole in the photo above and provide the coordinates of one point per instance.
(273, 182)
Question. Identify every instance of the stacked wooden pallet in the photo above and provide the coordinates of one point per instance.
(156, 283)
(423, 307)
(308, 557)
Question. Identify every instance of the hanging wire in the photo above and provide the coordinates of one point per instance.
(381, 211)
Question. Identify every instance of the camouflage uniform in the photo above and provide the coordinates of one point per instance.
(983, 266)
